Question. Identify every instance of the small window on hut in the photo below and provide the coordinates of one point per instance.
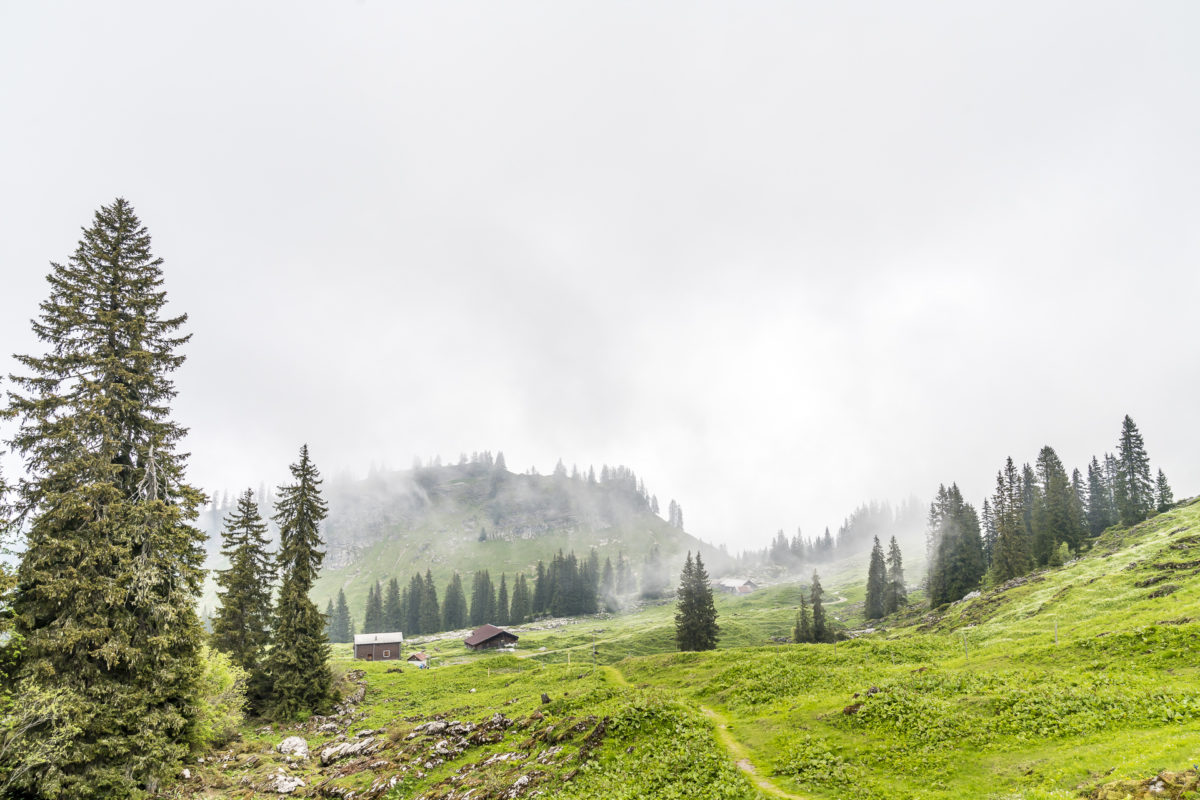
(387, 653)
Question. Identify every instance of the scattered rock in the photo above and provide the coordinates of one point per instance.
(294, 746)
(284, 784)
(1163, 591)
(186, 774)
(852, 709)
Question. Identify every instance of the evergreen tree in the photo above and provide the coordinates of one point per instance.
(1014, 551)
(1054, 520)
(373, 616)
(988, 531)
(1133, 489)
(483, 599)
(519, 611)
(329, 620)
(298, 661)
(502, 602)
(341, 620)
(895, 596)
(802, 633)
(820, 627)
(695, 614)
(412, 609)
(541, 590)
(876, 583)
(240, 627)
(454, 608)
(1100, 510)
(958, 563)
(431, 615)
(106, 587)
(1164, 498)
(393, 618)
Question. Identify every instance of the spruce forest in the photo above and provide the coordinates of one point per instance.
(1048, 627)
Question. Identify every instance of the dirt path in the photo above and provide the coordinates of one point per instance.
(735, 748)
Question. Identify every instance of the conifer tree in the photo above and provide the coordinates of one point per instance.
(502, 601)
(876, 583)
(412, 609)
(1164, 498)
(454, 607)
(820, 627)
(895, 597)
(802, 633)
(431, 615)
(393, 619)
(519, 610)
(241, 624)
(341, 620)
(1100, 511)
(107, 583)
(483, 599)
(329, 620)
(541, 590)
(958, 563)
(298, 661)
(1014, 551)
(1054, 521)
(373, 614)
(1132, 489)
(695, 613)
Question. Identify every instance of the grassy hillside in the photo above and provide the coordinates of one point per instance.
(470, 516)
(976, 700)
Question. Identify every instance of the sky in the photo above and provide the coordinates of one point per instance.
(778, 258)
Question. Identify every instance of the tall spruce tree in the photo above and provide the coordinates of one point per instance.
(802, 632)
(876, 583)
(1164, 498)
(241, 625)
(519, 609)
(298, 661)
(1132, 489)
(1014, 551)
(1100, 511)
(393, 614)
(454, 605)
(958, 563)
(695, 613)
(373, 614)
(341, 620)
(431, 615)
(895, 596)
(820, 626)
(1054, 518)
(502, 605)
(106, 587)
(415, 594)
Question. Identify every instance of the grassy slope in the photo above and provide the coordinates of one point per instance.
(1020, 716)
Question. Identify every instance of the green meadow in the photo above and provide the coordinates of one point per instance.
(1044, 688)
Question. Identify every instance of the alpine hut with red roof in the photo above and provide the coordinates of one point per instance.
(490, 636)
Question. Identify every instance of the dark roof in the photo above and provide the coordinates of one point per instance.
(418, 657)
(485, 632)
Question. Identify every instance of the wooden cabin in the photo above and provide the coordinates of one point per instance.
(489, 636)
(419, 660)
(378, 646)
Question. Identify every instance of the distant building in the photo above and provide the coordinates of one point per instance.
(734, 585)
(419, 660)
(378, 646)
(489, 636)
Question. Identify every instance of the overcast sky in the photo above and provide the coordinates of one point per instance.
(777, 258)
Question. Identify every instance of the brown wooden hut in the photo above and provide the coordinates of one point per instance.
(378, 646)
(490, 636)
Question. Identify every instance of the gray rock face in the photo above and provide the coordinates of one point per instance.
(346, 749)
(294, 746)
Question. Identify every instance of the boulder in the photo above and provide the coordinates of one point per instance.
(284, 784)
(294, 746)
